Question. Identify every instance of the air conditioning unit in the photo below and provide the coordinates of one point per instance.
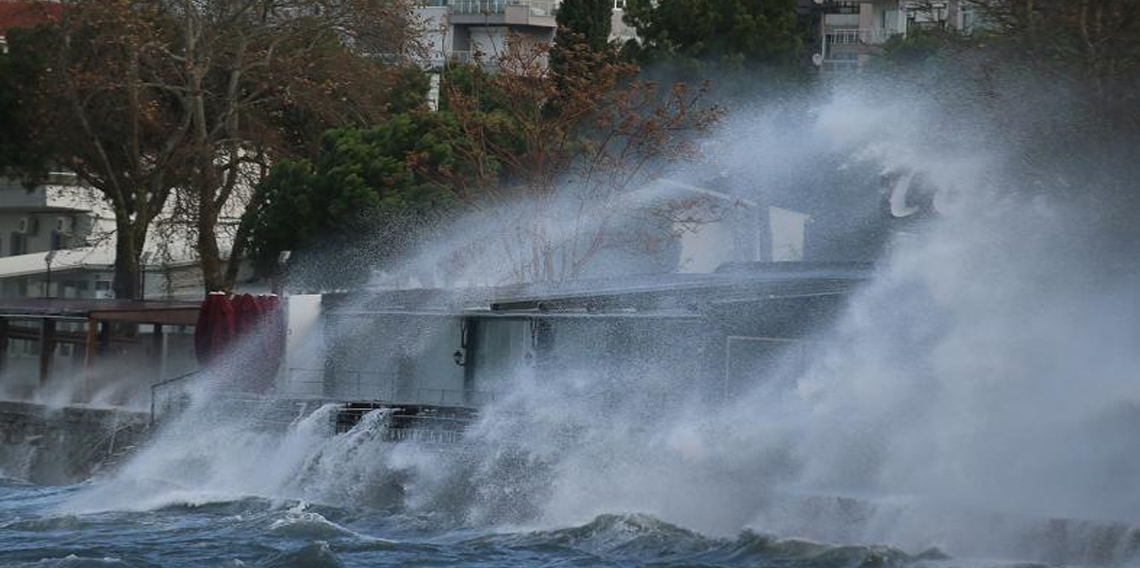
(64, 225)
(104, 295)
(29, 225)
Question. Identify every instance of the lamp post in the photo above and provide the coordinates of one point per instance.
(282, 261)
(48, 260)
(144, 258)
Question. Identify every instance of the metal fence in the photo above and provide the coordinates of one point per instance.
(357, 384)
(537, 7)
(858, 36)
(169, 397)
(448, 397)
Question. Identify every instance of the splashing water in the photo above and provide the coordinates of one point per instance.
(978, 396)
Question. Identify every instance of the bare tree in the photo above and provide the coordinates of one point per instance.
(99, 112)
(568, 146)
(143, 100)
(262, 80)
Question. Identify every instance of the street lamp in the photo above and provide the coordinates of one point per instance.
(282, 260)
(144, 258)
(48, 260)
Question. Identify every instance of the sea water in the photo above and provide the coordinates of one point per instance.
(975, 405)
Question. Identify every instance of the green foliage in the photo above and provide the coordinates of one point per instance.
(22, 154)
(746, 34)
(408, 89)
(585, 21)
(917, 47)
(364, 178)
(471, 82)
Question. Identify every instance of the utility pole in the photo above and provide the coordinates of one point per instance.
(144, 258)
(48, 260)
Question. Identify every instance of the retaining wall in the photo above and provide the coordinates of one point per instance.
(56, 446)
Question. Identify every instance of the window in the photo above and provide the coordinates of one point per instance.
(17, 244)
(844, 8)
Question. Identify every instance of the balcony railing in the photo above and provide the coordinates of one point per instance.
(485, 60)
(861, 36)
(537, 7)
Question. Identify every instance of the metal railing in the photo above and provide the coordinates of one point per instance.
(453, 397)
(537, 7)
(423, 435)
(460, 57)
(860, 36)
(484, 60)
(356, 384)
(162, 394)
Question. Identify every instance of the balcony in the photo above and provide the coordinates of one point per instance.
(858, 36)
(461, 57)
(535, 7)
(538, 13)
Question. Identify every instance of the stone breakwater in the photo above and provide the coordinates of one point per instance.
(62, 445)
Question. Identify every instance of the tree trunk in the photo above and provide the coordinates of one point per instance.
(241, 240)
(209, 256)
(128, 248)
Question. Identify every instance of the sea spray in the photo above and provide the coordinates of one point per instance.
(201, 458)
(980, 386)
(350, 468)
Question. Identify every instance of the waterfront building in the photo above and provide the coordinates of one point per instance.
(707, 334)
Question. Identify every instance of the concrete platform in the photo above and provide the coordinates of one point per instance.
(57, 446)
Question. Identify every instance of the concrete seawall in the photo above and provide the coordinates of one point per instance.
(55, 446)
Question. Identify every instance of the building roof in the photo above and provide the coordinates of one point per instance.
(101, 258)
(22, 14)
(744, 282)
(660, 294)
(64, 259)
(136, 311)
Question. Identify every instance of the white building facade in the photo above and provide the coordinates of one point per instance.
(57, 240)
(468, 30)
(852, 32)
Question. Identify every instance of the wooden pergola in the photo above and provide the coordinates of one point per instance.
(98, 317)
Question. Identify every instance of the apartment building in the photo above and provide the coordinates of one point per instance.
(44, 225)
(15, 14)
(957, 15)
(461, 30)
(57, 241)
(854, 31)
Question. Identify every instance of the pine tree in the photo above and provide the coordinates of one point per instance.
(748, 33)
(585, 21)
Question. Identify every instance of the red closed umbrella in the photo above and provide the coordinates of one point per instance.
(247, 315)
(274, 330)
(215, 327)
(249, 327)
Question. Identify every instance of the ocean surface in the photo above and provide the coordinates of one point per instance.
(34, 531)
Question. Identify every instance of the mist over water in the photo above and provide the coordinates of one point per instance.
(981, 384)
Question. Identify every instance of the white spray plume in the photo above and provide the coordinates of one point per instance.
(989, 369)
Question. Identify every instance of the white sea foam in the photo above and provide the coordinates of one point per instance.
(982, 382)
